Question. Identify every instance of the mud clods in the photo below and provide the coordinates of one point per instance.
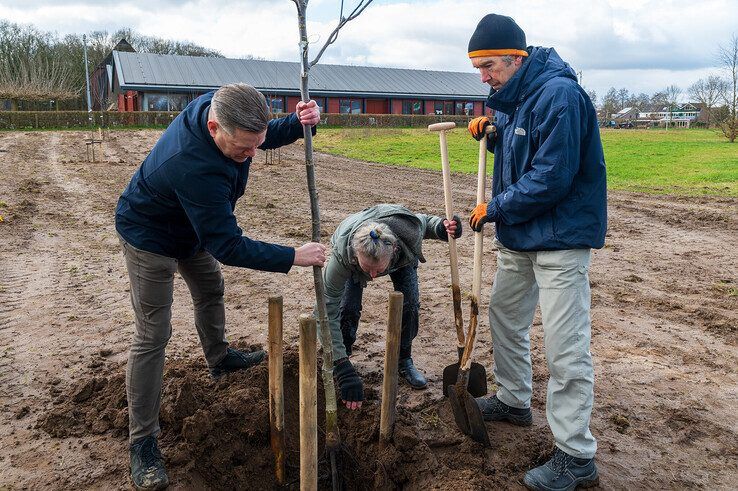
(217, 432)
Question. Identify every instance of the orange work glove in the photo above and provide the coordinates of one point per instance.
(477, 127)
(478, 217)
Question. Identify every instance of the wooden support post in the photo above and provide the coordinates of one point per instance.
(276, 387)
(391, 356)
(308, 404)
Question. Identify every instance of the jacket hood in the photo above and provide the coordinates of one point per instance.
(541, 65)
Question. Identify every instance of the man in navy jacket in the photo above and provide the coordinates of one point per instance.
(549, 208)
(177, 215)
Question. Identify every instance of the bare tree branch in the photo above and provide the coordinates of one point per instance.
(728, 56)
(363, 4)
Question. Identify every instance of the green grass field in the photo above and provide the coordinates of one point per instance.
(686, 162)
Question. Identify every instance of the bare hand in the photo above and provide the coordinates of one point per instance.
(308, 113)
(353, 405)
(451, 227)
(310, 254)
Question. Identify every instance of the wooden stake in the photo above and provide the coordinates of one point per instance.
(276, 387)
(308, 404)
(391, 355)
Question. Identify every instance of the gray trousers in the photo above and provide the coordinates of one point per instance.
(560, 281)
(152, 288)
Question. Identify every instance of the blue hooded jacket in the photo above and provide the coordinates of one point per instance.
(181, 199)
(548, 186)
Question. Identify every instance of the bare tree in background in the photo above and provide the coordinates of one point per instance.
(707, 92)
(37, 65)
(610, 105)
(332, 435)
(671, 95)
(728, 57)
(641, 101)
(623, 98)
(29, 69)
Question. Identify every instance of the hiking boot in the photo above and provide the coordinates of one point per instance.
(494, 409)
(147, 465)
(412, 375)
(562, 473)
(236, 360)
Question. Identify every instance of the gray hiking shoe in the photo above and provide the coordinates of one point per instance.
(494, 409)
(237, 360)
(147, 465)
(562, 473)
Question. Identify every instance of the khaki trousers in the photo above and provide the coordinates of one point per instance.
(559, 280)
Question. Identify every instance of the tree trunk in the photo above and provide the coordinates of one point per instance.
(332, 436)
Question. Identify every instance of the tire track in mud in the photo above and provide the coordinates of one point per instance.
(29, 286)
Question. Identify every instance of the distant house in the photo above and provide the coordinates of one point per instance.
(682, 115)
(100, 87)
(150, 82)
(626, 116)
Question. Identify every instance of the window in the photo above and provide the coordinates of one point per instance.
(349, 106)
(166, 102)
(412, 107)
(276, 104)
(443, 107)
(321, 101)
(464, 107)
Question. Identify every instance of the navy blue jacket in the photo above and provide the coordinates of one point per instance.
(548, 186)
(181, 199)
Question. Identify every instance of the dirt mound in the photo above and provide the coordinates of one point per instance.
(217, 431)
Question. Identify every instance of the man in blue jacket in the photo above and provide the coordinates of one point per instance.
(549, 209)
(177, 215)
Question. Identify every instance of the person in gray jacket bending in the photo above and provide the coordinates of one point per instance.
(384, 239)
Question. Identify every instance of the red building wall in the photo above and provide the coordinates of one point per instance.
(377, 106)
(128, 101)
(397, 106)
(478, 108)
(333, 105)
(291, 104)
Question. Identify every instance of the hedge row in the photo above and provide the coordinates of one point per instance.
(26, 120)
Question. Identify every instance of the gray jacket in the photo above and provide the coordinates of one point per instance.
(410, 229)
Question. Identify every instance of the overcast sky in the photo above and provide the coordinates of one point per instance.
(642, 45)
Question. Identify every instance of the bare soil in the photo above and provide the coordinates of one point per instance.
(665, 336)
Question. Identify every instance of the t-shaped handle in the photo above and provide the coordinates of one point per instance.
(449, 125)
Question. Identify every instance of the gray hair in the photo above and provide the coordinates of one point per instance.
(240, 106)
(507, 59)
(374, 241)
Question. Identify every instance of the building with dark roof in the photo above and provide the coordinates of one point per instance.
(151, 82)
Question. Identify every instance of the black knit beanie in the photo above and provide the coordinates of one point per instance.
(497, 35)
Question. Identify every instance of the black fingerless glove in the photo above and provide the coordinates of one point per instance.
(441, 230)
(349, 382)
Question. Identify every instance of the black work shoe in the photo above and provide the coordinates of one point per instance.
(147, 465)
(236, 360)
(494, 409)
(562, 473)
(413, 376)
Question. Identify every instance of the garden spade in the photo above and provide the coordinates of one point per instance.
(467, 415)
(477, 373)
